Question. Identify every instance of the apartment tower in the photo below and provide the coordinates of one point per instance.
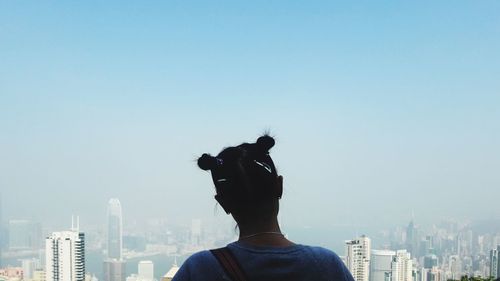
(65, 255)
(357, 257)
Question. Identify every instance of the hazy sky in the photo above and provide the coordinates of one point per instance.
(379, 108)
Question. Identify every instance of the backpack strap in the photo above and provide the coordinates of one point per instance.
(229, 264)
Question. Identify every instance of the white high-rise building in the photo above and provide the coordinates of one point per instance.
(65, 255)
(357, 257)
(381, 265)
(115, 229)
(145, 271)
(402, 266)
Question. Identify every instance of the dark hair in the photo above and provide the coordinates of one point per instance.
(243, 175)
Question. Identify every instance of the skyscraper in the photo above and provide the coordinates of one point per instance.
(411, 238)
(430, 261)
(114, 266)
(65, 255)
(498, 262)
(454, 267)
(114, 270)
(114, 229)
(381, 265)
(402, 266)
(494, 263)
(358, 257)
(434, 274)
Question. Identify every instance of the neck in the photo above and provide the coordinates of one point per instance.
(249, 228)
(266, 231)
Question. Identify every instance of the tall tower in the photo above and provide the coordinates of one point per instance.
(114, 265)
(402, 266)
(114, 229)
(114, 270)
(381, 265)
(411, 238)
(358, 257)
(494, 263)
(65, 255)
(498, 262)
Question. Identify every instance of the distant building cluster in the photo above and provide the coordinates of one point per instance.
(377, 265)
(64, 256)
(446, 251)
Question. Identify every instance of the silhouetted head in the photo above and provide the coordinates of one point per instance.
(246, 181)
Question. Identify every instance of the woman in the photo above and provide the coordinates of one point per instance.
(249, 188)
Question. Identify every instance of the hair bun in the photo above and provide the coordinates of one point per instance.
(207, 162)
(265, 143)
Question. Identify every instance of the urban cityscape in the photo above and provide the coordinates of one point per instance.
(385, 126)
(449, 251)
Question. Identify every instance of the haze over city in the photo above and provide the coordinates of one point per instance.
(378, 108)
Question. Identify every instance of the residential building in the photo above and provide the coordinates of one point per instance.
(357, 257)
(65, 255)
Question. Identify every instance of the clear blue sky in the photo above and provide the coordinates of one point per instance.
(394, 102)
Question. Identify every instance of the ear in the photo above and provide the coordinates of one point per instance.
(222, 203)
(279, 186)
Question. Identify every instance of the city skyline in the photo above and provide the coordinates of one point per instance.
(446, 251)
(385, 119)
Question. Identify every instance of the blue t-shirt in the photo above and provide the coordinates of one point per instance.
(293, 263)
